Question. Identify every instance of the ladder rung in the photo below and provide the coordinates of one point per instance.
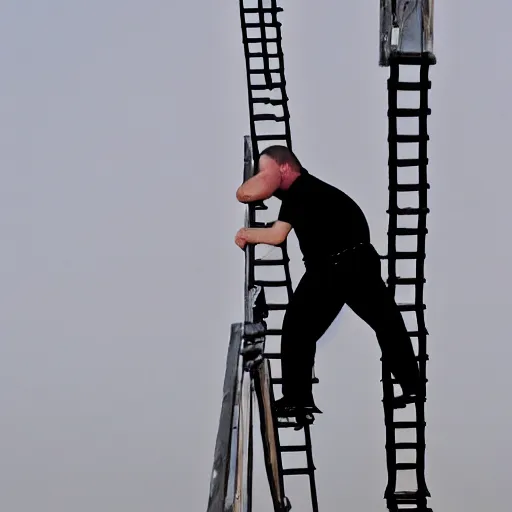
(424, 357)
(408, 139)
(406, 465)
(257, 10)
(272, 137)
(406, 280)
(408, 162)
(268, 101)
(417, 334)
(409, 112)
(411, 307)
(406, 424)
(410, 86)
(266, 87)
(409, 211)
(279, 380)
(269, 117)
(259, 25)
(270, 55)
(411, 497)
(264, 71)
(261, 39)
(406, 446)
(277, 307)
(405, 255)
(273, 332)
(409, 187)
(293, 448)
(409, 231)
(271, 284)
(408, 59)
(268, 263)
(394, 381)
(296, 471)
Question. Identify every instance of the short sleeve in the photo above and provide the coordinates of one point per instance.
(285, 213)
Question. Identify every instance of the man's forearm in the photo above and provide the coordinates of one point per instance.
(258, 188)
(261, 236)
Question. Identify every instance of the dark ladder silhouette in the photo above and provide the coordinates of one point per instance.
(404, 28)
(400, 191)
(264, 59)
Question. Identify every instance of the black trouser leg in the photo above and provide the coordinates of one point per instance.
(370, 298)
(315, 304)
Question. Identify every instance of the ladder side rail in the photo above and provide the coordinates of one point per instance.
(387, 381)
(420, 273)
(223, 471)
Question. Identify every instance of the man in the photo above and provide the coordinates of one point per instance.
(342, 267)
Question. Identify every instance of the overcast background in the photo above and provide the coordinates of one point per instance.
(120, 152)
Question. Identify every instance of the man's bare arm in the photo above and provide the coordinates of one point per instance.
(274, 235)
(259, 187)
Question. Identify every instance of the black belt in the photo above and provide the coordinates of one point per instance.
(335, 257)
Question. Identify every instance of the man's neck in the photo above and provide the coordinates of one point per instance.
(288, 178)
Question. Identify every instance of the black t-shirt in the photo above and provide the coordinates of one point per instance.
(325, 219)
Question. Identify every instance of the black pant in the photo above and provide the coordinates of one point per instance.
(321, 293)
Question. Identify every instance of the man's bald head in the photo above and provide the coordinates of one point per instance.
(280, 164)
(282, 156)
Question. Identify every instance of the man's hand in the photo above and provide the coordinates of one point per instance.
(241, 238)
(274, 235)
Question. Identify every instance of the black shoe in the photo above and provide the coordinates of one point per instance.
(302, 419)
(286, 408)
(400, 402)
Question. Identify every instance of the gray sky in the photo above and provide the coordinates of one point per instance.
(121, 149)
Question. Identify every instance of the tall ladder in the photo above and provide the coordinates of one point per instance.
(270, 124)
(401, 424)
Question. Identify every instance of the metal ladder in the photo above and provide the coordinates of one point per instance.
(268, 111)
(415, 169)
